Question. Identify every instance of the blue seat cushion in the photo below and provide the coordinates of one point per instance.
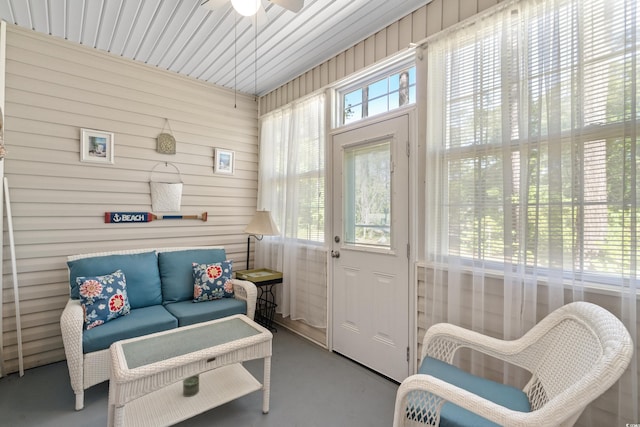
(141, 271)
(189, 312)
(454, 416)
(140, 321)
(176, 271)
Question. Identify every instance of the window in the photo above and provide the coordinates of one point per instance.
(534, 126)
(292, 174)
(367, 194)
(380, 96)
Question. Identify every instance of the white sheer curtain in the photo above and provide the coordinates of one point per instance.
(291, 185)
(532, 170)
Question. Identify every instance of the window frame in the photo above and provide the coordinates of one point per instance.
(371, 76)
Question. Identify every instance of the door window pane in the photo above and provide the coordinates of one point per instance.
(367, 195)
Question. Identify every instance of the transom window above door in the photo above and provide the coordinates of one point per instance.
(377, 95)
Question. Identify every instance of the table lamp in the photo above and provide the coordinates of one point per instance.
(261, 225)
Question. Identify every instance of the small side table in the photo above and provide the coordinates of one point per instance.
(264, 279)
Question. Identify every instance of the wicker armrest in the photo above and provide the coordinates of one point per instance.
(248, 292)
(71, 325)
(442, 340)
(414, 401)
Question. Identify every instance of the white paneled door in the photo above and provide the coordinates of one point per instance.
(370, 246)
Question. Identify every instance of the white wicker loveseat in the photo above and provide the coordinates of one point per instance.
(160, 286)
(574, 355)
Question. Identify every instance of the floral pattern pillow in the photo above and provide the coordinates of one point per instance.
(212, 281)
(103, 298)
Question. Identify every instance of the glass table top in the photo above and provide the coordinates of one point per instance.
(181, 341)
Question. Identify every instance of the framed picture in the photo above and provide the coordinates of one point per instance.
(223, 161)
(96, 146)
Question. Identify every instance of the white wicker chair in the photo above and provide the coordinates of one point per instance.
(574, 355)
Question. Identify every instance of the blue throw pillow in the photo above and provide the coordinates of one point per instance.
(103, 298)
(212, 281)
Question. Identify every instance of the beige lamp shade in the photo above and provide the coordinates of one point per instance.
(262, 224)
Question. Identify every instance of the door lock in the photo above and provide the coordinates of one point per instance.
(336, 239)
(335, 254)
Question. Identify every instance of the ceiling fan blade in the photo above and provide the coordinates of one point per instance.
(213, 4)
(292, 5)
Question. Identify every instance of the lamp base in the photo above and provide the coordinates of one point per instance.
(248, 245)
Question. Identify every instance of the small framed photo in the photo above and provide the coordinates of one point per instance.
(96, 146)
(223, 161)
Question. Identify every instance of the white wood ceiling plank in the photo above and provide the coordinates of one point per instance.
(204, 49)
(192, 24)
(38, 15)
(327, 37)
(180, 21)
(74, 19)
(220, 62)
(183, 37)
(227, 61)
(104, 24)
(6, 11)
(88, 24)
(164, 22)
(127, 14)
(200, 35)
(56, 12)
(150, 31)
(20, 11)
(141, 23)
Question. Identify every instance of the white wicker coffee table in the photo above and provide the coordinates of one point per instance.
(146, 387)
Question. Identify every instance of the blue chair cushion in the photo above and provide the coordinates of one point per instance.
(189, 312)
(454, 416)
(138, 322)
(176, 271)
(141, 271)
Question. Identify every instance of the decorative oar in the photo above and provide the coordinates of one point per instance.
(119, 217)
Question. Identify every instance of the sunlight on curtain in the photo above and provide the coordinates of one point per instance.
(532, 168)
(291, 185)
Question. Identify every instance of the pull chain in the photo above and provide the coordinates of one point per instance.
(235, 60)
(255, 59)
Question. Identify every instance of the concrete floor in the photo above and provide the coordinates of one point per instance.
(309, 387)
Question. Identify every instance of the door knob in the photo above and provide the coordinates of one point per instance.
(335, 254)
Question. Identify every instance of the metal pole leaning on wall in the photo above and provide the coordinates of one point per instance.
(16, 298)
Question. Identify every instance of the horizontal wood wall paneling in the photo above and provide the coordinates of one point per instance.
(47, 331)
(149, 125)
(55, 88)
(122, 74)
